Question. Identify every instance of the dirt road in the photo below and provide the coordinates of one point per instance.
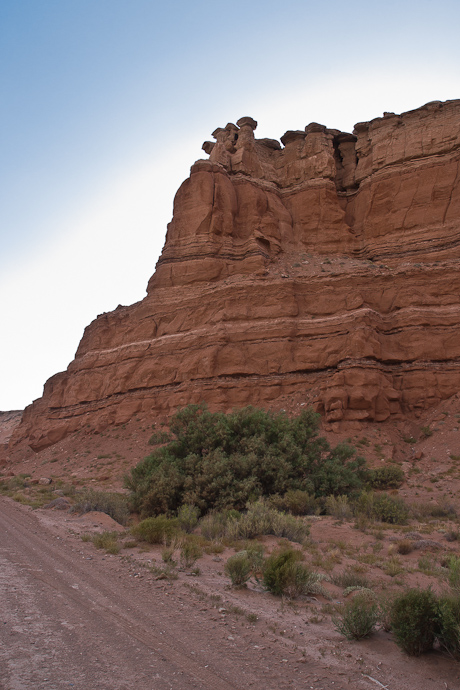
(72, 621)
(72, 617)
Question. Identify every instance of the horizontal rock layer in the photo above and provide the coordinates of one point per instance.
(326, 268)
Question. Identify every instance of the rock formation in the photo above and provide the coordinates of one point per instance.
(324, 267)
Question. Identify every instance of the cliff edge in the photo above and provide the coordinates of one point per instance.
(322, 266)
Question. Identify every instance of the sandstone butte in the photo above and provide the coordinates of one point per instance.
(324, 268)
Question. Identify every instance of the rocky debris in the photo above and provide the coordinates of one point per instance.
(326, 267)
(60, 503)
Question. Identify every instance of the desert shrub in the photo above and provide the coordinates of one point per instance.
(167, 555)
(159, 437)
(390, 509)
(339, 507)
(296, 502)
(112, 503)
(284, 574)
(385, 606)
(414, 619)
(404, 547)
(393, 566)
(190, 553)
(357, 618)
(388, 477)
(275, 567)
(107, 541)
(426, 564)
(218, 461)
(213, 526)
(290, 527)
(188, 517)
(363, 505)
(453, 574)
(260, 519)
(350, 578)
(452, 535)
(382, 507)
(298, 579)
(157, 530)
(443, 510)
(19, 481)
(256, 521)
(255, 553)
(448, 630)
(238, 568)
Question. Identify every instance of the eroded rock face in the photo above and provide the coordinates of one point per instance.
(326, 268)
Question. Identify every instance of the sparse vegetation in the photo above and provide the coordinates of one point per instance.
(349, 578)
(107, 541)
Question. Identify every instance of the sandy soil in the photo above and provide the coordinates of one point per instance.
(73, 616)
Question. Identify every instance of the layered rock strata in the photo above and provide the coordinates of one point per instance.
(323, 266)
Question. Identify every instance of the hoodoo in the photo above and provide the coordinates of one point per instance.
(324, 267)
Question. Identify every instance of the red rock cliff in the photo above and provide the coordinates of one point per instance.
(325, 268)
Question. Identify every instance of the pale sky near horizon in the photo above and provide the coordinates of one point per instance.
(104, 107)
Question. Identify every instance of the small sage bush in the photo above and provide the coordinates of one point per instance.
(349, 578)
(213, 526)
(260, 519)
(339, 507)
(388, 477)
(107, 541)
(448, 632)
(357, 618)
(238, 568)
(453, 574)
(190, 553)
(188, 517)
(414, 621)
(157, 530)
(284, 574)
(110, 502)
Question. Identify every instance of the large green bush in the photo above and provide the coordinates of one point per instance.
(219, 461)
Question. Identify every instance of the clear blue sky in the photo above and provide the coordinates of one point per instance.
(105, 104)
